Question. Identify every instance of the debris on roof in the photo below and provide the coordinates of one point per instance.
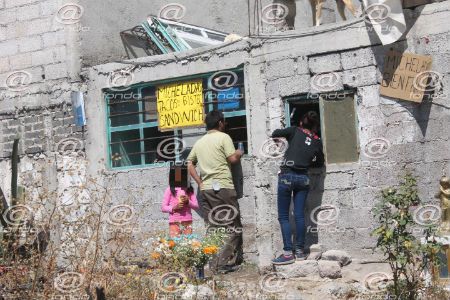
(160, 36)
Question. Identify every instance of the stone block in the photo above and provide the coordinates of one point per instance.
(20, 61)
(30, 119)
(14, 3)
(280, 68)
(33, 150)
(299, 269)
(369, 95)
(8, 16)
(436, 151)
(365, 197)
(353, 218)
(56, 71)
(315, 252)
(325, 63)
(4, 64)
(8, 48)
(31, 43)
(337, 255)
(2, 33)
(358, 58)
(329, 269)
(49, 7)
(272, 89)
(315, 248)
(34, 135)
(345, 199)
(16, 30)
(314, 256)
(302, 65)
(49, 56)
(38, 126)
(10, 130)
(365, 239)
(28, 12)
(293, 85)
(411, 132)
(53, 38)
(38, 26)
(338, 181)
(360, 77)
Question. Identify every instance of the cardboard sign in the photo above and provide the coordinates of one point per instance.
(402, 75)
(180, 105)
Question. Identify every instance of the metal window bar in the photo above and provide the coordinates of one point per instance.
(169, 35)
(172, 136)
(155, 38)
(152, 111)
(167, 41)
(150, 98)
(208, 93)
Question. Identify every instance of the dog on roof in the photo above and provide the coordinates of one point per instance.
(341, 5)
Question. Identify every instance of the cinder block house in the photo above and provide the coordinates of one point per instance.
(336, 69)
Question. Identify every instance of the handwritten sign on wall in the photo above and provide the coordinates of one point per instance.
(402, 75)
(180, 105)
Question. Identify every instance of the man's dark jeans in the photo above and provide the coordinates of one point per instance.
(290, 183)
(222, 212)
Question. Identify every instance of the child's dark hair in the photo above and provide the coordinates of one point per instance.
(189, 190)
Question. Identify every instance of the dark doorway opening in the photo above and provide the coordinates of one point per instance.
(298, 108)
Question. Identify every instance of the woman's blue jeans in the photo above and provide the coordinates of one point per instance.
(290, 183)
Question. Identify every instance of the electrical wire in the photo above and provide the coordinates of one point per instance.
(283, 36)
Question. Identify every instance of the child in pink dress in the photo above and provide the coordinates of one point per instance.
(178, 203)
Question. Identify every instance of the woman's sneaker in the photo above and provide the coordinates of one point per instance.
(300, 255)
(284, 260)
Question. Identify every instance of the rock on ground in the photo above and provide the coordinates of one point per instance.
(315, 248)
(342, 290)
(337, 255)
(299, 269)
(330, 269)
(314, 256)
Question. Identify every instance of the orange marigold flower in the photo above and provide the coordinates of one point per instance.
(171, 244)
(210, 250)
(155, 255)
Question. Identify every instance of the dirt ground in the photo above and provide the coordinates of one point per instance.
(251, 283)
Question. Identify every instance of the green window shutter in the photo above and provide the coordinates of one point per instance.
(339, 130)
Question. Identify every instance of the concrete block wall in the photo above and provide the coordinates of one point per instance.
(39, 68)
(38, 52)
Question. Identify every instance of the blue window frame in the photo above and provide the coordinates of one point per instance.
(134, 139)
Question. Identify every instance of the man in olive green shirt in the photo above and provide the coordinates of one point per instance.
(213, 153)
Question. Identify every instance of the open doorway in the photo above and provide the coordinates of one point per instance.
(297, 108)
